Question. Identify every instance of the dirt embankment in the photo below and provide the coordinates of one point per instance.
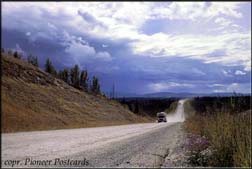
(34, 100)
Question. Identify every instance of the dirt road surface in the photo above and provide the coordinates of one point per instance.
(138, 145)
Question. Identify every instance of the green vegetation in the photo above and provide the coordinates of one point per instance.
(32, 99)
(84, 80)
(189, 110)
(95, 88)
(149, 106)
(227, 127)
(10, 52)
(33, 60)
(17, 55)
(172, 107)
(74, 77)
(49, 68)
(64, 75)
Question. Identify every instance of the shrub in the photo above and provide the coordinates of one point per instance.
(229, 136)
(17, 55)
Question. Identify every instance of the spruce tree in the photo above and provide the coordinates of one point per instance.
(84, 79)
(95, 86)
(17, 55)
(49, 67)
(64, 75)
(74, 74)
(33, 60)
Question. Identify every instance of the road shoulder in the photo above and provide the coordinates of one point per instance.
(177, 153)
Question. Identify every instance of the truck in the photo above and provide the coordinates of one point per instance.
(161, 117)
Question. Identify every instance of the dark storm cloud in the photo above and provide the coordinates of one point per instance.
(79, 36)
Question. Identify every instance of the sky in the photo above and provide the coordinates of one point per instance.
(140, 47)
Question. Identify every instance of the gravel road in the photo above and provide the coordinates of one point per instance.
(138, 145)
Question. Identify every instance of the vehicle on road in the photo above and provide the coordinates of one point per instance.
(161, 117)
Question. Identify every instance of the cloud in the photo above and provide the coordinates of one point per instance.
(28, 33)
(248, 67)
(78, 49)
(222, 21)
(199, 72)
(184, 10)
(198, 40)
(218, 91)
(163, 86)
(216, 85)
(227, 73)
(81, 50)
(123, 20)
(234, 87)
(225, 23)
(238, 87)
(91, 20)
(104, 46)
(114, 15)
(239, 72)
(192, 10)
(104, 55)
(225, 8)
(87, 17)
(238, 51)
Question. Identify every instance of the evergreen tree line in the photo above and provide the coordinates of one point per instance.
(236, 103)
(148, 106)
(73, 76)
(30, 58)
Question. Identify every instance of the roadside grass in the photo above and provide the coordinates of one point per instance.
(189, 110)
(229, 137)
(172, 108)
(30, 104)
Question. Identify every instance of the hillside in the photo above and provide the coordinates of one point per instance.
(34, 100)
